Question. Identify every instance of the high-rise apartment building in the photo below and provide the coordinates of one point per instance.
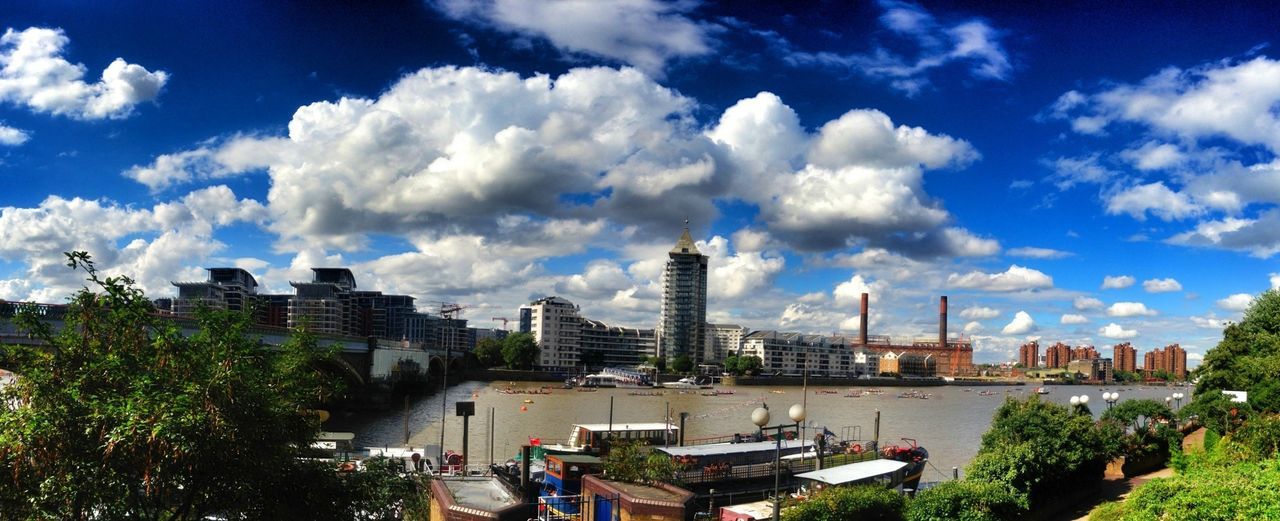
(566, 339)
(557, 327)
(232, 289)
(613, 346)
(1084, 353)
(1029, 355)
(1125, 357)
(324, 305)
(1171, 359)
(723, 341)
(1057, 356)
(682, 323)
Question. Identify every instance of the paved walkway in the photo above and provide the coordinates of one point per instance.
(1116, 487)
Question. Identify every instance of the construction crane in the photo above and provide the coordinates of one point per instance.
(504, 320)
(448, 309)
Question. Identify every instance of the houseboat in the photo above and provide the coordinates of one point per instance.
(588, 437)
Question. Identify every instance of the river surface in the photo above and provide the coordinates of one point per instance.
(949, 424)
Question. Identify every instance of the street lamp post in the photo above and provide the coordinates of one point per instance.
(1111, 399)
(1177, 400)
(760, 417)
(1079, 403)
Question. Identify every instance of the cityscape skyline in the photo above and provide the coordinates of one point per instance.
(1056, 187)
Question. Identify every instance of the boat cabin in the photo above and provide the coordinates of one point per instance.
(884, 471)
(587, 437)
(564, 473)
(749, 453)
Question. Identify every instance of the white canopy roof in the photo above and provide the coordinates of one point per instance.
(854, 471)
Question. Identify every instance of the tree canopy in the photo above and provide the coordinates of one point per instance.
(120, 416)
(520, 351)
(682, 364)
(1040, 449)
(489, 352)
(1247, 358)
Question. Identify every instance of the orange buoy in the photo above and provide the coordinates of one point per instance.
(524, 408)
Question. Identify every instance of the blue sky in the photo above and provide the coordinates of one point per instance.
(1091, 174)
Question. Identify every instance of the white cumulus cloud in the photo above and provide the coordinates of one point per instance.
(979, 312)
(13, 137)
(1086, 303)
(1117, 282)
(1022, 323)
(1236, 302)
(1016, 278)
(1074, 319)
(1115, 331)
(1130, 309)
(1161, 285)
(643, 33)
(34, 74)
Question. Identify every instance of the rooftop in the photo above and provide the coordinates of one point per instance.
(480, 493)
(717, 449)
(853, 471)
(685, 245)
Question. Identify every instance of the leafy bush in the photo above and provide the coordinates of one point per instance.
(967, 500)
(1247, 490)
(1148, 430)
(124, 417)
(633, 463)
(868, 502)
(1114, 511)
(1040, 448)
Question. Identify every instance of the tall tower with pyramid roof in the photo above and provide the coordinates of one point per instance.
(682, 325)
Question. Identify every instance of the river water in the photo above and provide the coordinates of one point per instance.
(950, 424)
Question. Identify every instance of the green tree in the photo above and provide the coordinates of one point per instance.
(658, 362)
(731, 366)
(682, 364)
(122, 417)
(967, 500)
(489, 352)
(867, 502)
(520, 351)
(1247, 358)
(1148, 429)
(1041, 448)
(750, 364)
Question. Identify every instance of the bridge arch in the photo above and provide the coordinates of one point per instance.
(340, 367)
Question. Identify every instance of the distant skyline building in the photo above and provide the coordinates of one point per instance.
(723, 341)
(556, 326)
(1057, 356)
(1084, 353)
(1029, 355)
(1171, 359)
(232, 289)
(681, 325)
(566, 339)
(1125, 357)
(327, 304)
